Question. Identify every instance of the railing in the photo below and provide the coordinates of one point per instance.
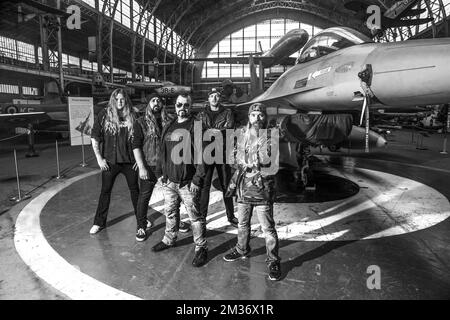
(59, 170)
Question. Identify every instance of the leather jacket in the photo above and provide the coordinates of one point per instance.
(191, 172)
(224, 118)
(148, 137)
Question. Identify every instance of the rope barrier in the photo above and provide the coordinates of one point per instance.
(10, 138)
(63, 172)
(51, 131)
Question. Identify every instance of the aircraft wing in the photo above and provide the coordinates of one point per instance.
(412, 13)
(233, 60)
(145, 85)
(22, 119)
(400, 9)
(410, 22)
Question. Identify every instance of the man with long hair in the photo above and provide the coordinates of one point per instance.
(113, 129)
(147, 150)
(181, 180)
(254, 188)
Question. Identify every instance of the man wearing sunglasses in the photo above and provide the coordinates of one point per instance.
(217, 117)
(181, 181)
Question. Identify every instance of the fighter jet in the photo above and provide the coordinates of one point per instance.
(340, 71)
(333, 65)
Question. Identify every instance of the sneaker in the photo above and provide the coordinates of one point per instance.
(95, 229)
(200, 257)
(149, 224)
(233, 221)
(184, 227)
(160, 246)
(274, 271)
(141, 235)
(234, 255)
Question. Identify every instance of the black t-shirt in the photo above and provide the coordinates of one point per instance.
(214, 114)
(175, 171)
(122, 151)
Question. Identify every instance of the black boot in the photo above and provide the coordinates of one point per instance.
(200, 257)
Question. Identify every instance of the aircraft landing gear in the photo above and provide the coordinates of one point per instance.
(305, 176)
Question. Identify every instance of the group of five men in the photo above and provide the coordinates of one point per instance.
(147, 146)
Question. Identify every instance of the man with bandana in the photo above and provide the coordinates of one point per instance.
(254, 188)
(181, 180)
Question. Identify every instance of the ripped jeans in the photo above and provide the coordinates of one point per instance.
(173, 196)
(265, 217)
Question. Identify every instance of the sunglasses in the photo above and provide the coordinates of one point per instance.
(185, 105)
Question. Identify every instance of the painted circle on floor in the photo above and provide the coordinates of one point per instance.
(386, 205)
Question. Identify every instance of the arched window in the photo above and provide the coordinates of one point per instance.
(247, 41)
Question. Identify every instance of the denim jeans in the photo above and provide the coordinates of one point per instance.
(145, 193)
(173, 196)
(265, 217)
(108, 179)
(224, 176)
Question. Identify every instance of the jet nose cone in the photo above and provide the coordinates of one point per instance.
(381, 142)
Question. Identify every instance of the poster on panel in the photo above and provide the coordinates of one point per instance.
(81, 119)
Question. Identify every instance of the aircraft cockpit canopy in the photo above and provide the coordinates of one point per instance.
(331, 40)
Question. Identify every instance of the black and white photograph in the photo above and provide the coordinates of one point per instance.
(224, 156)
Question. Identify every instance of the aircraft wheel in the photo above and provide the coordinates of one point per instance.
(11, 110)
(334, 148)
(310, 185)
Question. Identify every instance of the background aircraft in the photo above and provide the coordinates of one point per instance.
(279, 54)
(51, 111)
(164, 89)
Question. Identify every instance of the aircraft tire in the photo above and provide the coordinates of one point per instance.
(334, 148)
(11, 109)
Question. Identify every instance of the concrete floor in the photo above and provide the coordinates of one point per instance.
(397, 220)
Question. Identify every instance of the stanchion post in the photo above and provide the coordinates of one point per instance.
(83, 164)
(17, 175)
(57, 160)
(19, 197)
